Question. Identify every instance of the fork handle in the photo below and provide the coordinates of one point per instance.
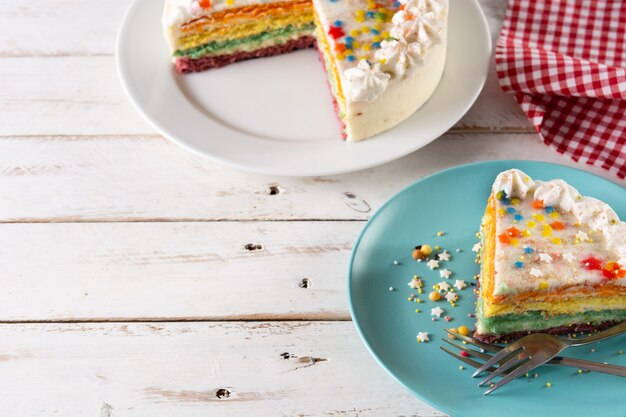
(604, 334)
(590, 365)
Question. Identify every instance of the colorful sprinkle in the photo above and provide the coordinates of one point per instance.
(518, 217)
(537, 204)
(519, 264)
(549, 209)
(528, 249)
(376, 45)
(539, 217)
(205, 4)
(336, 32)
(592, 263)
(613, 270)
(337, 23)
(557, 225)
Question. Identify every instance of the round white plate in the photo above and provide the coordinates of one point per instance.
(274, 115)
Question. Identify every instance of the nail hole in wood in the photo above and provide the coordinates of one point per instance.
(253, 247)
(287, 355)
(305, 283)
(274, 190)
(349, 194)
(222, 393)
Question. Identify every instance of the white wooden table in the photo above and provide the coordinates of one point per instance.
(129, 287)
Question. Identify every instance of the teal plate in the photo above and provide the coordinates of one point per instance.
(454, 201)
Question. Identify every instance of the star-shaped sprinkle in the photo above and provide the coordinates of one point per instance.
(443, 286)
(451, 297)
(433, 264)
(415, 283)
(437, 311)
(459, 284)
(444, 273)
(544, 257)
(582, 235)
(444, 256)
(535, 272)
(422, 337)
(336, 32)
(477, 247)
(569, 257)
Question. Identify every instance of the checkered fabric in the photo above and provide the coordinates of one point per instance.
(565, 63)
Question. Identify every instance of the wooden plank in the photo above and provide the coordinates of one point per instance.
(180, 369)
(136, 178)
(65, 96)
(181, 271)
(59, 27)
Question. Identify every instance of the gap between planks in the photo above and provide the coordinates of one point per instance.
(71, 220)
(248, 318)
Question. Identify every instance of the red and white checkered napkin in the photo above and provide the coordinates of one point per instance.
(565, 62)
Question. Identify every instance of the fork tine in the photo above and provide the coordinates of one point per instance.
(513, 362)
(471, 352)
(511, 376)
(498, 357)
(468, 361)
(491, 348)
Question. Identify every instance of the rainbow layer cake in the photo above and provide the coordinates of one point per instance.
(383, 58)
(551, 261)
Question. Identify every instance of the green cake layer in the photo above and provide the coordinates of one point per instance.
(247, 43)
(537, 320)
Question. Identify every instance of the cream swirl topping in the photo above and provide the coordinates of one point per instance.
(557, 193)
(513, 182)
(398, 58)
(415, 25)
(365, 83)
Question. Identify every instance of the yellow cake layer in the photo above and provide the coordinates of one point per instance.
(331, 65)
(565, 300)
(243, 23)
(571, 306)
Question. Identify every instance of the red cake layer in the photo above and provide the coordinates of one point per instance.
(342, 124)
(188, 65)
(580, 328)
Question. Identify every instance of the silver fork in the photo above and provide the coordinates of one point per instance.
(557, 360)
(532, 351)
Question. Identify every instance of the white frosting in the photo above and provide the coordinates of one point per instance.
(365, 83)
(595, 213)
(513, 182)
(400, 59)
(182, 11)
(557, 193)
(415, 29)
(416, 26)
(588, 220)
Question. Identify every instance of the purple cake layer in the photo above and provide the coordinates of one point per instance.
(561, 330)
(187, 65)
